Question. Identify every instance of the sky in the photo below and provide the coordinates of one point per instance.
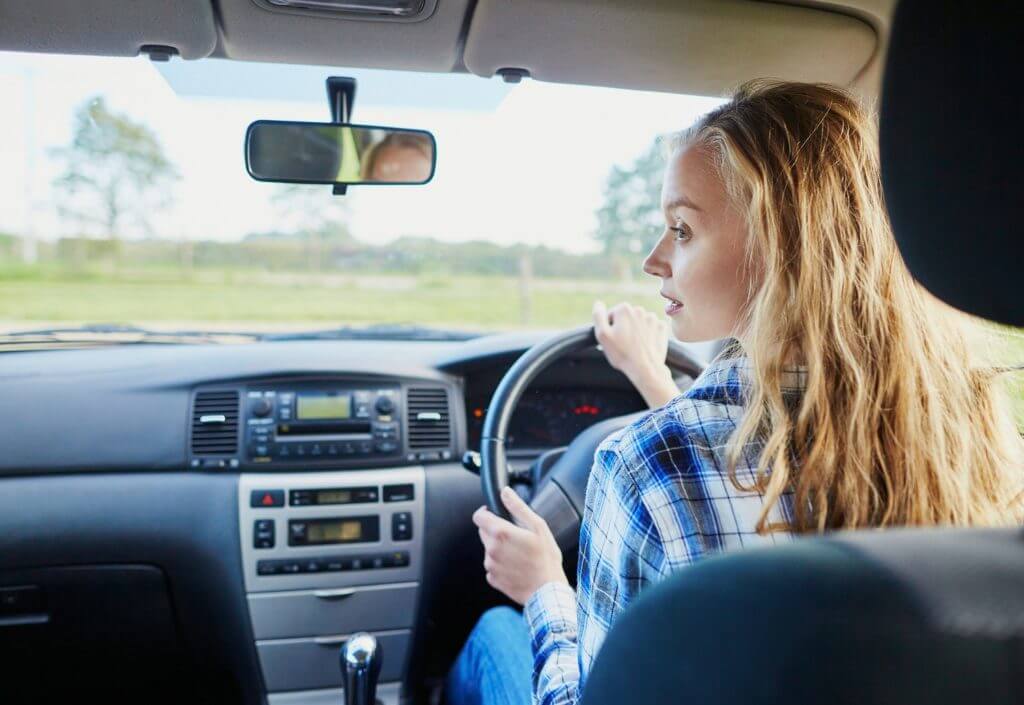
(519, 163)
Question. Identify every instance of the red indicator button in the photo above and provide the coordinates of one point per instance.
(266, 498)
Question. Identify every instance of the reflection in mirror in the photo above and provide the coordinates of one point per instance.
(325, 153)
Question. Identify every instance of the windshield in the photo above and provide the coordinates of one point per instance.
(124, 201)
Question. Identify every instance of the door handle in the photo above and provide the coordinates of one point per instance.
(335, 594)
(329, 640)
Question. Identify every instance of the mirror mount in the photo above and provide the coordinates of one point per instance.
(341, 96)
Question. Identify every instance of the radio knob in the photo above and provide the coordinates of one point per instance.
(262, 407)
(384, 405)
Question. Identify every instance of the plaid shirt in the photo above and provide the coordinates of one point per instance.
(658, 499)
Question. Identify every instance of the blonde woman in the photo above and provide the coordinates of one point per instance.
(849, 399)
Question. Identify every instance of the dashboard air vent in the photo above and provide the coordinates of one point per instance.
(429, 422)
(215, 423)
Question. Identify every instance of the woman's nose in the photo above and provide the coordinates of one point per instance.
(656, 264)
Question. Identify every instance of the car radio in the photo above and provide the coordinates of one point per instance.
(307, 425)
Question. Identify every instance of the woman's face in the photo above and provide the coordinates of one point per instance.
(400, 164)
(701, 256)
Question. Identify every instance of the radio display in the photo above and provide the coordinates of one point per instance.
(313, 407)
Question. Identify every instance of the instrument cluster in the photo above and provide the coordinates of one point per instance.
(549, 418)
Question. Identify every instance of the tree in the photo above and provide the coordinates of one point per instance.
(116, 173)
(313, 214)
(630, 220)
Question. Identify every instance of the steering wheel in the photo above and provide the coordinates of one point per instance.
(559, 495)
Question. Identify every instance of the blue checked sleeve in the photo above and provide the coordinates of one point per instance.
(620, 552)
(551, 616)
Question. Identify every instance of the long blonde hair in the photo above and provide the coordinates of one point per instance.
(897, 425)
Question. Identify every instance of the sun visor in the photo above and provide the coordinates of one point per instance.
(700, 47)
(261, 30)
(107, 27)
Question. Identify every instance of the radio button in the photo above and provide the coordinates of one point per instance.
(386, 446)
(365, 447)
(385, 431)
(311, 565)
(290, 567)
(398, 559)
(378, 562)
(268, 567)
(401, 526)
(332, 449)
(263, 533)
(316, 450)
(399, 493)
(262, 407)
(296, 533)
(384, 405)
(334, 564)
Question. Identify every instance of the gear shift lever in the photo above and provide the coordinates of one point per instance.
(360, 667)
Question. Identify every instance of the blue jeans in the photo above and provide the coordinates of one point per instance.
(495, 667)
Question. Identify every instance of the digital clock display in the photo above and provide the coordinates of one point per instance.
(332, 497)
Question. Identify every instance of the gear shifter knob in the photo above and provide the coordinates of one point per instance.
(360, 666)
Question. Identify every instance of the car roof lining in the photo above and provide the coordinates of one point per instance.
(698, 46)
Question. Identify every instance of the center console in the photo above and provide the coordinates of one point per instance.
(331, 496)
(327, 554)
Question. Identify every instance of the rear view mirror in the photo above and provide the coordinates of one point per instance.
(329, 153)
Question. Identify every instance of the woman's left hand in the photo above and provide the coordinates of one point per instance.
(519, 559)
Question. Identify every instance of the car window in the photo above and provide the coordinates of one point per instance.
(124, 200)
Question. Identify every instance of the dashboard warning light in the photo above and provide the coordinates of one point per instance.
(478, 413)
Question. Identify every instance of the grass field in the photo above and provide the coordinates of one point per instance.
(261, 301)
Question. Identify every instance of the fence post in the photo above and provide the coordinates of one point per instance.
(525, 285)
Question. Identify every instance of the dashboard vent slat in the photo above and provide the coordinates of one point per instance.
(210, 435)
(429, 423)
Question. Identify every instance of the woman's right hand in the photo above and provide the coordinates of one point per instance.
(635, 341)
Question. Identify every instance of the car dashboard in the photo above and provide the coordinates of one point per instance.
(258, 503)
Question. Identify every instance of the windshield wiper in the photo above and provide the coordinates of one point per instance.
(383, 331)
(113, 334)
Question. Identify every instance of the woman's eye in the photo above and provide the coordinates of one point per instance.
(681, 233)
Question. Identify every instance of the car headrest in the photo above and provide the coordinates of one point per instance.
(952, 150)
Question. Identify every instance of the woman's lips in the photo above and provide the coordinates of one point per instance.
(672, 306)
